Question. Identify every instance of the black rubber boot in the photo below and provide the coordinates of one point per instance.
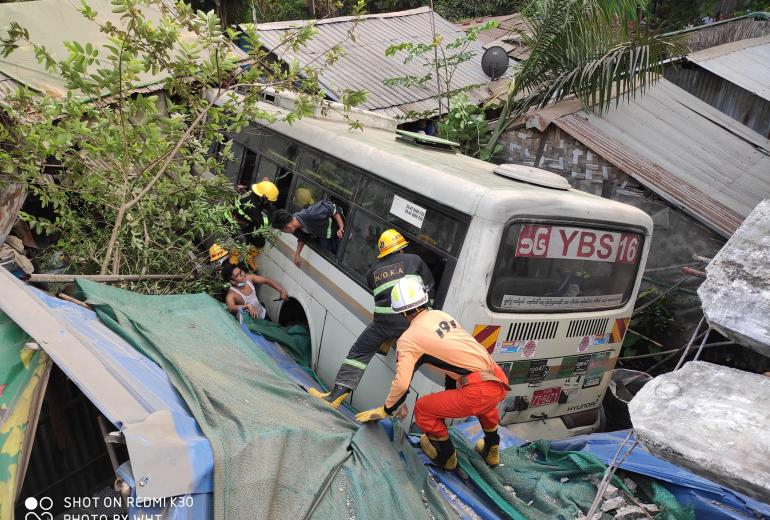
(441, 451)
(489, 447)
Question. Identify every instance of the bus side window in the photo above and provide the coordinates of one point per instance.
(329, 173)
(305, 194)
(246, 178)
(233, 166)
(430, 225)
(360, 252)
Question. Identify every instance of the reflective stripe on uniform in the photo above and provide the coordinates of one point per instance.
(354, 363)
(392, 283)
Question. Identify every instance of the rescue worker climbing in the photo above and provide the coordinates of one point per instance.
(434, 337)
(253, 213)
(393, 265)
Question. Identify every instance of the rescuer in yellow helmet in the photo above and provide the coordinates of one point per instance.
(393, 265)
(254, 212)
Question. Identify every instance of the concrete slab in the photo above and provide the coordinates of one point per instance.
(712, 420)
(736, 293)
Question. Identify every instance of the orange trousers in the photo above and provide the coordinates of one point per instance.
(476, 399)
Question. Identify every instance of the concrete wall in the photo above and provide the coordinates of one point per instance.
(676, 236)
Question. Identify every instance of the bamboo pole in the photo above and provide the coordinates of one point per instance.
(54, 278)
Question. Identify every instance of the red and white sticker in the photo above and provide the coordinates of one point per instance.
(536, 241)
(584, 344)
(529, 349)
(545, 397)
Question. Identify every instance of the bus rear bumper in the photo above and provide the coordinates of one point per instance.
(551, 428)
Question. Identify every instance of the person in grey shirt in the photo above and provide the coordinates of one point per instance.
(316, 222)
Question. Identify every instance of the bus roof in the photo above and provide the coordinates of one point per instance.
(454, 179)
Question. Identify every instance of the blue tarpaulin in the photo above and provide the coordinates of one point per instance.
(709, 500)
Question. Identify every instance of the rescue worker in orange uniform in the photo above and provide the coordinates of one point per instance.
(435, 338)
(392, 265)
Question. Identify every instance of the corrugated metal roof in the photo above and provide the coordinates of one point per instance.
(51, 23)
(745, 63)
(682, 149)
(504, 35)
(365, 66)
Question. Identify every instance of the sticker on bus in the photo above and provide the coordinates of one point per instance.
(545, 397)
(512, 301)
(536, 241)
(589, 341)
(596, 369)
(408, 211)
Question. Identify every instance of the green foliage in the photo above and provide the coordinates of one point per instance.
(134, 187)
(651, 322)
(601, 51)
(459, 9)
(440, 60)
(466, 124)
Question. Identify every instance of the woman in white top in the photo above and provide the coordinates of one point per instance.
(242, 295)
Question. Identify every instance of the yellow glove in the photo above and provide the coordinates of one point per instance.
(375, 414)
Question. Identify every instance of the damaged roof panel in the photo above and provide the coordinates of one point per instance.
(164, 441)
(680, 148)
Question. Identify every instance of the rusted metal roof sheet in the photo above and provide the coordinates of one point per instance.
(505, 35)
(682, 149)
(365, 66)
(744, 63)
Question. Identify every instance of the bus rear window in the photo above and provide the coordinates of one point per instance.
(542, 268)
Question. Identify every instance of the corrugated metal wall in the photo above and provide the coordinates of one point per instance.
(743, 106)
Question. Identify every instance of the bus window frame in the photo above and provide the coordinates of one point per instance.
(354, 205)
(577, 222)
(424, 201)
(446, 276)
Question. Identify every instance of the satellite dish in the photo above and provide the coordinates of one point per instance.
(494, 62)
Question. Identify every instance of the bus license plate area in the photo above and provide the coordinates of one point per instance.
(545, 397)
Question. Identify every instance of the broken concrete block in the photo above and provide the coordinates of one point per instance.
(630, 513)
(613, 503)
(736, 293)
(712, 420)
(611, 491)
(651, 508)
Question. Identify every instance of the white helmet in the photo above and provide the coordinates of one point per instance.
(408, 294)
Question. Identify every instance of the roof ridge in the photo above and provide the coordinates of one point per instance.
(294, 24)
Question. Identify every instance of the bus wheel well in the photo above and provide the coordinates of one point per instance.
(292, 313)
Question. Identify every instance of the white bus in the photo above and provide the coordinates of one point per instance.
(544, 276)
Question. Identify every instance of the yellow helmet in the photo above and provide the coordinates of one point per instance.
(390, 241)
(217, 252)
(266, 189)
(303, 197)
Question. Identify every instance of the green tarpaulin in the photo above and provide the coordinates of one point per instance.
(278, 452)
